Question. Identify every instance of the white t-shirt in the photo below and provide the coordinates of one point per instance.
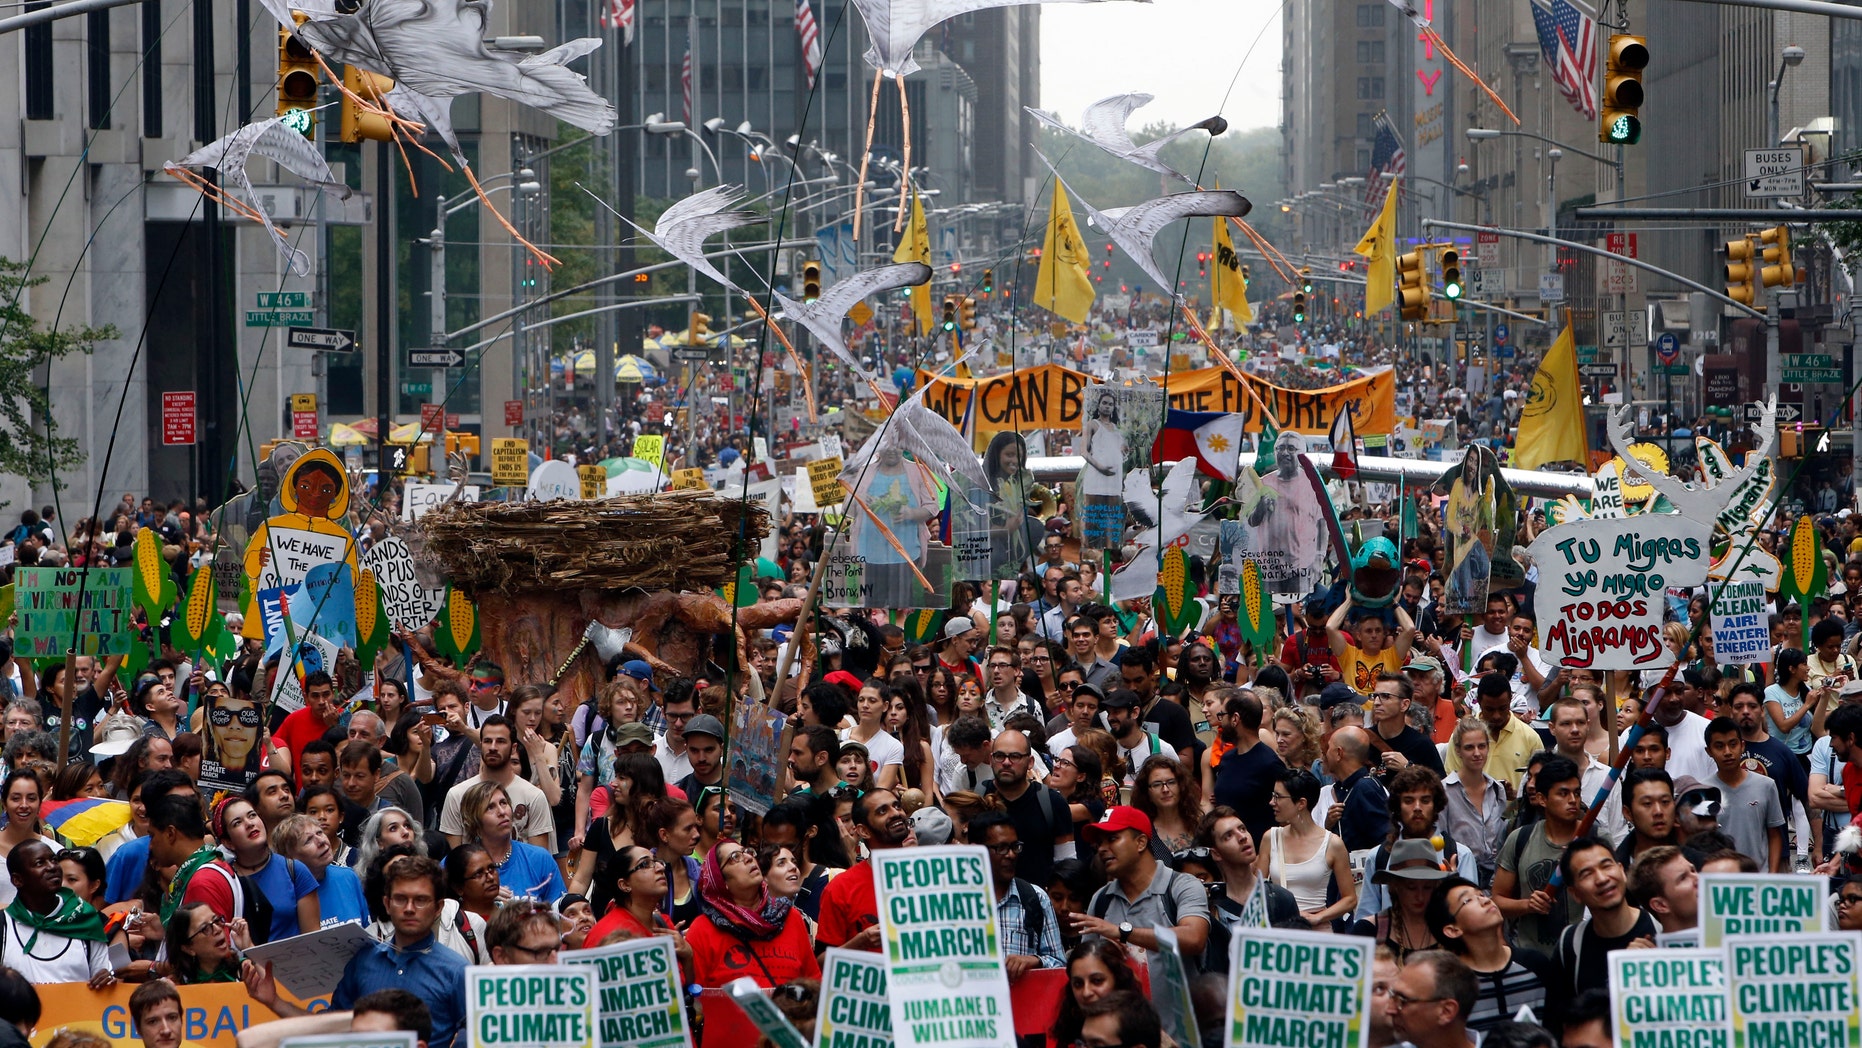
(882, 749)
(1687, 748)
(1147, 748)
(676, 765)
(530, 812)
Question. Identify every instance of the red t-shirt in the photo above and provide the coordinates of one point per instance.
(849, 906)
(718, 959)
(300, 729)
(618, 917)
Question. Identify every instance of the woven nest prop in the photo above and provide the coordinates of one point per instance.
(677, 541)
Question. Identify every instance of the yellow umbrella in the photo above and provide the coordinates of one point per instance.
(409, 433)
(342, 436)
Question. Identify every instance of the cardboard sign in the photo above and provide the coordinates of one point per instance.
(1800, 990)
(640, 1004)
(530, 1006)
(1740, 623)
(1606, 501)
(689, 480)
(824, 481)
(50, 615)
(594, 481)
(554, 479)
(650, 447)
(1668, 999)
(510, 462)
(756, 731)
(311, 965)
(1600, 597)
(852, 1011)
(418, 498)
(1170, 988)
(768, 495)
(1774, 904)
(294, 551)
(945, 974)
(762, 1011)
(409, 605)
(1298, 988)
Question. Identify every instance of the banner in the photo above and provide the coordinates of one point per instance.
(1741, 626)
(946, 978)
(1772, 904)
(212, 1014)
(410, 606)
(1668, 998)
(50, 615)
(417, 498)
(852, 1011)
(640, 1005)
(530, 1006)
(1797, 992)
(756, 731)
(1298, 988)
(1600, 598)
(1048, 397)
(650, 447)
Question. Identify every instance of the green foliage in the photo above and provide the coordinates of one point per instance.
(1844, 236)
(35, 453)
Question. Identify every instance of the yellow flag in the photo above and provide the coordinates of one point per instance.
(1064, 283)
(1551, 424)
(915, 246)
(1226, 287)
(1379, 245)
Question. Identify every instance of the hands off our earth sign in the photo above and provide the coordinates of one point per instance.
(852, 1011)
(945, 974)
(1761, 904)
(1796, 992)
(530, 1006)
(639, 1003)
(1291, 989)
(1600, 600)
(1669, 999)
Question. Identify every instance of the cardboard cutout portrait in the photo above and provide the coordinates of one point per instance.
(314, 494)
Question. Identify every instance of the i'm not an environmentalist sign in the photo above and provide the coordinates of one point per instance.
(51, 613)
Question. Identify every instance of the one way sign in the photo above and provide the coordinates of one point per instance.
(1775, 172)
(435, 358)
(329, 340)
(1786, 413)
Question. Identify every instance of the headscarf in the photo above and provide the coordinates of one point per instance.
(763, 921)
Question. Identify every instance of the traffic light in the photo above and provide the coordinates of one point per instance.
(989, 282)
(1618, 119)
(1451, 273)
(1777, 271)
(1306, 279)
(359, 123)
(950, 312)
(811, 280)
(1247, 274)
(1741, 272)
(701, 328)
(967, 313)
(417, 461)
(297, 84)
(643, 278)
(1412, 286)
(1299, 307)
(462, 443)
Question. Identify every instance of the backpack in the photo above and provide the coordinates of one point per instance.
(1032, 917)
(249, 901)
(1102, 901)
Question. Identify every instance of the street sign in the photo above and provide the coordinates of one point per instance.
(1551, 288)
(416, 389)
(1775, 172)
(304, 416)
(282, 300)
(1501, 333)
(329, 340)
(1626, 329)
(435, 358)
(513, 412)
(1487, 248)
(696, 354)
(1619, 278)
(432, 417)
(1597, 370)
(1807, 360)
(1667, 347)
(1677, 370)
(177, 418)
(278, 317)
(1824, 375)
(1786, 413)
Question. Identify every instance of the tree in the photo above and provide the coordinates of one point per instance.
(29, 442)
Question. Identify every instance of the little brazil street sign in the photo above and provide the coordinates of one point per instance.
(278, 317)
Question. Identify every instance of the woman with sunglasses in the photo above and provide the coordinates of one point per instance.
(202, 945)
(234, 727)
(744, 930)
(637, 882)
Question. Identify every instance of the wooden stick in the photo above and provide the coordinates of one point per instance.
(1609, 710)
(905, 175)
(68, 691)
(859, 188)
(897, 546)
(794, 357)
(1230, 366)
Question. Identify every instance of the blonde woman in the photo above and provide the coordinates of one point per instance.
(1297, 736)
(1476, 811)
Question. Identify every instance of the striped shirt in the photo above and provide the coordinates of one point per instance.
(1012, 922)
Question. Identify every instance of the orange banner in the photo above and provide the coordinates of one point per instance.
(212, 1014)
(1371, 400)
(1044, 397)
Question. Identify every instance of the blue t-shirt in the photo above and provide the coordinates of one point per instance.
(124, 872)
(431, 973)
(284, 882)
(340, 897)
(530, 873)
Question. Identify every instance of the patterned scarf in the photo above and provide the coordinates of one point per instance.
(765, 921)
(72, 918)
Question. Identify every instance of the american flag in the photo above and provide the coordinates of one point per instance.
(685, 79)
(619, 14)
(1387, 156)
(1568, 38)
(810, 35)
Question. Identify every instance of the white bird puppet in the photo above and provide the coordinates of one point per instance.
(895, 27)
(1134, 228)
(822, 317)
(1695, 503)
(1103, 124)
(1137, 577)
(435, 50)
(270, 140)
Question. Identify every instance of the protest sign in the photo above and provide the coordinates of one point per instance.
(325, 603)
(51, 615)
(1796, 991)
(6, 602)
(768, 495)
(594, 481)
(945, 974)
(1741, 625)
(639, 1000)
(1599, 600)
(418, 498)
(650, 447)
(755, 732)
(1686, 939)
(212, 1014)
(852, 1011)
(1606, 500)
(1170, 988)
(1254, 911)
(510, 462)
(1760, 904)
(292, 552)
(383, 1039)
(689, 480)
(311, 965)
(530, 1006)
(824, 481)
(410, 606)
(1668, 999)
(756, 1003)
(1298, 988)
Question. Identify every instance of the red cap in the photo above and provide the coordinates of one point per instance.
(844, 679)
(1118, 817)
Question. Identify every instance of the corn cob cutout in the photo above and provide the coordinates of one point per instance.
(1257, 612)
(1176, 592)
(456, 634)
(1804, 573)
(155, 587)
(200, 617)
(371, 619)
(922, 626)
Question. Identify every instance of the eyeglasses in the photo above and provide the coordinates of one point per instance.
(216, 923)
(249, 717)
(1472, 897)
(1001, 665)
(418, 901)
(488, 872)
(642, 866)
(795, 992)
(742, 855)
(1162, 784)
(541, 951)
(1848, 900)
(1404, 1000)
(1007, 848)
(1037, 657)
(926, 668)
(1062, 762)
(1004, 757)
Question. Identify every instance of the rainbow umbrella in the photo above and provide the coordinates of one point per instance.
(86, 820)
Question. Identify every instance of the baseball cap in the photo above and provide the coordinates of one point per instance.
(634, 731)
(1338, 693)
(1851, 689)
(638, 669)
(1119, 699)
(1117, 818)
(1697, 799)
(957, 627)
(844, 679)
(1091, 689)
(704, 724)
(1423, 664)
(931, 826)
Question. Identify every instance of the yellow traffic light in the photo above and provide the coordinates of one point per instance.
(1619, 121)
(989, 282)
(359, 123)
(1412, 286)
(701, 328)
(811, 280)
(1299, 307)
(417, 459)
(462, 443)
(1741, 272)
(297, 84)
(949, 315)
(1306, 279)
(1451, 273)
(967, 313)
(1777, 271)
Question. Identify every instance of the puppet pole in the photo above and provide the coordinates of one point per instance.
(866, 153)
(905, 179)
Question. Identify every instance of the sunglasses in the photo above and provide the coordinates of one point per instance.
(249, 717)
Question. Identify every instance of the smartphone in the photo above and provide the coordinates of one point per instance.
(429, 716)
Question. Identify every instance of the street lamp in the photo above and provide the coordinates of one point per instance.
(1792, 55)
(657, 124)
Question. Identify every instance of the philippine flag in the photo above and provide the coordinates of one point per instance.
(1213, 438)
(1344, 447)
